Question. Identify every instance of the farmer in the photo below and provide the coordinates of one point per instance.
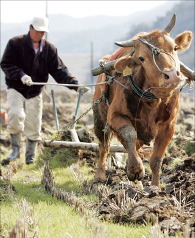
(29, 58)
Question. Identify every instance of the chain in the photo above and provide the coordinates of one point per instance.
(98, 101)
(70, 125)
(105, 130)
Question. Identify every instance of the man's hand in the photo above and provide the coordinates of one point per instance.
(27, 80)
(82, 89)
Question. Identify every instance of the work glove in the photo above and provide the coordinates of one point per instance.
(27, 80)
(82, 89)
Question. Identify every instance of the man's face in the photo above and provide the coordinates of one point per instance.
(36, 36)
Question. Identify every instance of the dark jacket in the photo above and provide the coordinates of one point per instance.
(19, 58)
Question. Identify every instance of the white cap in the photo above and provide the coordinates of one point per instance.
(40, 24)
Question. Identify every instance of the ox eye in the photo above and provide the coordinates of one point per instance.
(176, 48)
(141, 59)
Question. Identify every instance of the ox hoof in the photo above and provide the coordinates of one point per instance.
(152, 191)
(100, 176)
(136, 175)
(99, 180)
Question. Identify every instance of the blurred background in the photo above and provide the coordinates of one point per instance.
(84, 31)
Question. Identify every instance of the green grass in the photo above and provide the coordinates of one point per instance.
(190, 147)
(44, 215)
(57, 219)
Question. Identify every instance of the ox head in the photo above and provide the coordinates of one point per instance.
(155, 59)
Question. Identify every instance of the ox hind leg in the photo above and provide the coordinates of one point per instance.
(103, 153)
(103, 134)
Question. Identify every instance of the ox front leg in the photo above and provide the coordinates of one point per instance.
(159, 150)
(134, 166)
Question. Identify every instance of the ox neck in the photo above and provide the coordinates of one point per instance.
(139, 91)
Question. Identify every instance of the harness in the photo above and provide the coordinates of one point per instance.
(139, 91)
(155, 51)
(135, 88)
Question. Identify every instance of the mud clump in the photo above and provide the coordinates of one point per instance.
(172, 207)
(180, 182)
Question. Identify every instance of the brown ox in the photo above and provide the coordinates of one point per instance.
(142, 104)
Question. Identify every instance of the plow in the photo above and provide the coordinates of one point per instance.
(75, 142)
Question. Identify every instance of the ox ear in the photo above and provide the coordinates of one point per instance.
(125, 65)
(183, 40)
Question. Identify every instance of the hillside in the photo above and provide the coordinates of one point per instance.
(74, 37)
(185, 21)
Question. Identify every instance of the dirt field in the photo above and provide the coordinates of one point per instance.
(121, 201)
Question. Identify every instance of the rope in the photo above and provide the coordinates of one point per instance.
(139, 91)
(68, 85)
(155, 51)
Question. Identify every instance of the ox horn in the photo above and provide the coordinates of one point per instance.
(127, 43)
(190, 74)
(171, 24)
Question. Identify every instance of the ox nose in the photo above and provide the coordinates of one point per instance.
(172, 76)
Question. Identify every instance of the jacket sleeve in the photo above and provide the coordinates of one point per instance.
(59, 71)
(9, 62)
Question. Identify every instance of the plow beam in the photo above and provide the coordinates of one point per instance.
(81, 145)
